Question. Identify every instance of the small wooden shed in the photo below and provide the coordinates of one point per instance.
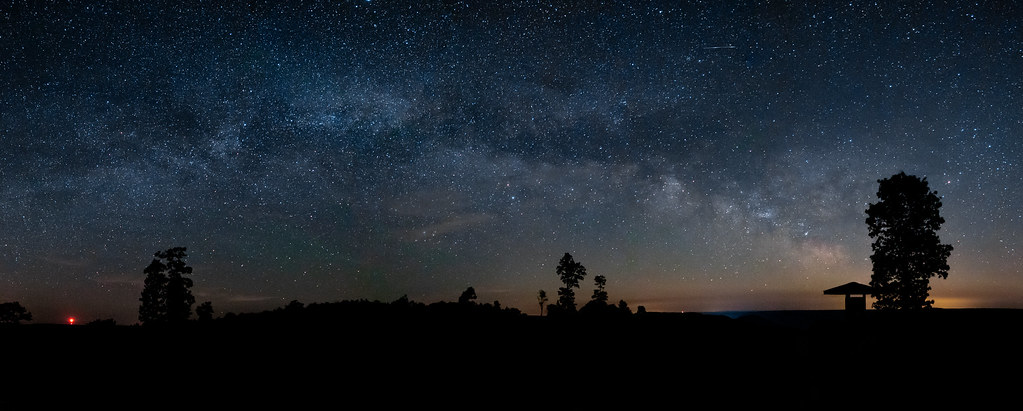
(855, 295)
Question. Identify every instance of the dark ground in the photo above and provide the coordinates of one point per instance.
(804, 359)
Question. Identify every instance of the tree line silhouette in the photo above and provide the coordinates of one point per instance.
(166, 300)
(906, 254)
(571, 273)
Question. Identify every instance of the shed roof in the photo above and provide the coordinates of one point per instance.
(850, 288)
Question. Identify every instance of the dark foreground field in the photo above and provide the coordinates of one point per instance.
(805, 359)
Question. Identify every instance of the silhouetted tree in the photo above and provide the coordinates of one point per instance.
(541, 297)
(13, 313)
(204, 312)
(166, 295)
(624, 307)
(153, 307)
(294, 306)
(907, 250)
(571, 273)
(599, 294)
(468, 296)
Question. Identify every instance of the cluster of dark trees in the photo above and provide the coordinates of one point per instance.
(571, 273)
(353, 312)
(166, 299)
(167, 294)
(13, 313)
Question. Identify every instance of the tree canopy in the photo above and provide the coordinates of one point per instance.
(571, 273)
(468, 296)
(204, 312)
(906, 250)
(13, 313)
(166, 295)
(599, 293)
(541, 297)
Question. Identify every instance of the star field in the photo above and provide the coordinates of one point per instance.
(702, 156)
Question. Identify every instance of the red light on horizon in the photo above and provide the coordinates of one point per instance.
(71, 320)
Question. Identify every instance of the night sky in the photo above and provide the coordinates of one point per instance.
(706, 156)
